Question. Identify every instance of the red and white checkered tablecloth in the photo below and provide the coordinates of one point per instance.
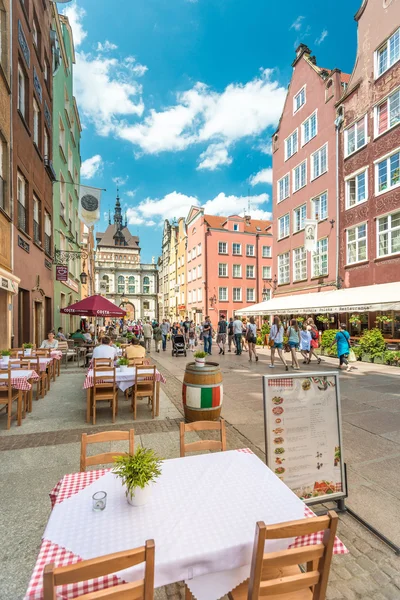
(125, 376)
(57, 354)
(20, 381)
(43, 362)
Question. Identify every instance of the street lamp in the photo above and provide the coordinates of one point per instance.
(272, 284)
(213, 300)
(83, 278)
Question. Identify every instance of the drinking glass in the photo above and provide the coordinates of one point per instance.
(99, 501)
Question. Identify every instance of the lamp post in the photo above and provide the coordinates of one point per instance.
(272, 284)
(213, 300)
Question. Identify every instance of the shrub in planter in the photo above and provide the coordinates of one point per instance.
(358, 352)
(379, 359)
(327, 338)
(389, 357)
(123, 363)
(200, 358)
(373, 343)
(365, 357)
(137, 472)
(259, 341)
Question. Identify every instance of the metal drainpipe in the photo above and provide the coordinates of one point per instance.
(206, 271)
(338, 122)
(257, 269)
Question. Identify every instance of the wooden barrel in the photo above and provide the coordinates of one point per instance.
(202, 392)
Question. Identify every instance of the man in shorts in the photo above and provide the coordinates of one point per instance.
(221, 334)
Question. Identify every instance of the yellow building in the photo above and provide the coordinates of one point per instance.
(181, 268)
(173, 287)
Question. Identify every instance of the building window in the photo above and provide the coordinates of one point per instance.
(222, 270)
(223, 294)
(387, 114)
(36, 33)
(266, 252)
(199, 271)
(3, 171)
(300, 176)
(250, 294)
(189, 276)
(21, 199)
(237, 294)
(357, 244)
(387, 173)
(36, 220)
(283, 188)
(46, 144)
(355, 137)
(194, 296)
(266, 272)
(47, 233)
(389, 234)
(250, 271)
(63, 197)
(356, 189)
(291, 144)
(237, 249)
(22, 91)
(267, 293)
(194, 274)
(131, 285)
(249, 250)
(222, 248)
(299, 264)
(121, 285)
(70, 214)
(387, 54)
(236, 227)
(299, 100)
(309, 128)
(237, 271)
(320, 259)
(299, 216)
(62, 135)
(146, 285)
(320, 207)
(70, 161)
(199, 295)
(194, 253)
(36, 122)
(105, 278)
(190, 297)
(189, 256)
(319, 162)
(198, 249)
(283, 226)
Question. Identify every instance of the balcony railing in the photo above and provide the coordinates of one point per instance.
(21, 216)
(36, 232)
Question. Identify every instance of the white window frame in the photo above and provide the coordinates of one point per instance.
(303, 127)
(347, 181)
(377, 162)
(317, 153)
(284, 265)
(364, 121)
(390, 61)
(356, 243)
(199, 271)
(248, 299)
(313, 202)
(190, 297)
(266, 272)
(199, 295)
(233, 249)
(189, 276)
(252, 251)
(294, 190)
(387, 231)
(387, 99)
(318, 255)
(266, 253)
(36, 122)
(252, 270)
(286, 143)
(286, 228)
(194, 295)
(220, 289)
(295, 109)
(199, 249)
(236, 227)
(223, 267)
(283, 186)
(303, 264)
(225, 244)
(237, 294)
(233, 271)
(299, 210)
(21, 97)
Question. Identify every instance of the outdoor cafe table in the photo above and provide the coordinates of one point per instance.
(125, 379)
(202, 516)
(43, 362)
(20, 379)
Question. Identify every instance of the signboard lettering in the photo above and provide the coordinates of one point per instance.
(61, 273)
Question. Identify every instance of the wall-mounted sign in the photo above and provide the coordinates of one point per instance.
(61, 273)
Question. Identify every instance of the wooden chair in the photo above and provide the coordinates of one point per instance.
(277, 575)
(106, 457)
(67, 352)
(203, 444)
(25, 364)
(144, 387)
(8, 395)
(135, 362)
(105, 389)
(104, 565)
(103, 362)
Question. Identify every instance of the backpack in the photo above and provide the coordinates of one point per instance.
(314, 334)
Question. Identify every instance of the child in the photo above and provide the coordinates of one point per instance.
(192, 336)
(305, 343)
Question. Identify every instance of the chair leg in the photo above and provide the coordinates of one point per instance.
(19, 409)
(94, 409)
(9, 409)
(24, 404)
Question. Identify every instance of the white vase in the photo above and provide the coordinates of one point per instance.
(123, 367)
(141, 496)
(5, 359)
(27, 351)
(200, 362)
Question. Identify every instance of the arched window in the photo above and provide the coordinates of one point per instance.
(146, 285)
(121, 285)
(107, 281)
(131, 285)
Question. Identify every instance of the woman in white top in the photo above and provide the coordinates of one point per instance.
(305, 342)
(251, 338)
(276, 335)
(51, 343)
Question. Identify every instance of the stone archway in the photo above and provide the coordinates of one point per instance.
(130, 310)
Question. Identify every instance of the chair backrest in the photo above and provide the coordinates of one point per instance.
(62, 345)
(317, 557)
(104, 565)
(133, 362)
(103, 362)
(203, 444)
(43, 352)
(22, 363)
(105, 457)
(5, 382)
(103, 376)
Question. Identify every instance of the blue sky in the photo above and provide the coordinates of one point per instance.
(178, 98)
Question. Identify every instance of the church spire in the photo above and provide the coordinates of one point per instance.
(118, 213)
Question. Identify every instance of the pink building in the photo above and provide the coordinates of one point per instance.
(304, 178)
(229, 264)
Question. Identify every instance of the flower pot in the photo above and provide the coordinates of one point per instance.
(123, 367)
(366, 358)
(140, 496)
(378, 360)
(5, 359)
(27, 351)
(200, 362)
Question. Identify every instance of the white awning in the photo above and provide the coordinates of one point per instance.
(369, 298)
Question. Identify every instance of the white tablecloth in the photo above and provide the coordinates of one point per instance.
(202, 516)
(124, 379)
(44, 362)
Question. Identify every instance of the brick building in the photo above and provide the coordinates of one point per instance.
(32, 173)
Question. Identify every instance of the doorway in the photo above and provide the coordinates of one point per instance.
(38, 334)
(24, 325)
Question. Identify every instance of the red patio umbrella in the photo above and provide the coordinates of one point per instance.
(94, 306)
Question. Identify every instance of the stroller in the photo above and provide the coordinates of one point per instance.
(178, 345)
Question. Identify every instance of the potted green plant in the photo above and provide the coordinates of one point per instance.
(355, 320)
(123, 363)
(372, 344)
(5, 354)
(27, 349)
(138, 471)
(384, 320)
(200, 358)
(327, 338)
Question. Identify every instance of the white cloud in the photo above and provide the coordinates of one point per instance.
(120, 180)
(297, 24)
(263, 176)
(91, 166)
(237, 205)
(134, 67)
(75, 15)
(321, 38)
(264, 147)
(106, 47)
(130, 193)
(216, 155)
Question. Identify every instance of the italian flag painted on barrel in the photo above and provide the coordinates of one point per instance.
(202, 397)
(202, 392)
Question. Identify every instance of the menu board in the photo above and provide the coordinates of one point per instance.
(303, 434)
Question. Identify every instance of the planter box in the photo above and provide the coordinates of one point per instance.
(378, 360)
(367, 358)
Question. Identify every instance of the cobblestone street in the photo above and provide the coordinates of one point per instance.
(46, 447)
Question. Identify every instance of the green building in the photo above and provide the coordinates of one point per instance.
(67, 164)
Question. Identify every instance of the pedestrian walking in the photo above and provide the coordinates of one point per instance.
(305, 343)
(231, 337)
(221, 334)
(251, 338)
(157, 335)
(165, 331)
(244, 333)
(342, 340)
(237, 332)
(293, 341)
(147, 333)
(192, 336)
(207, 335)
(312, 328)
(186, 327)
(276, 335)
